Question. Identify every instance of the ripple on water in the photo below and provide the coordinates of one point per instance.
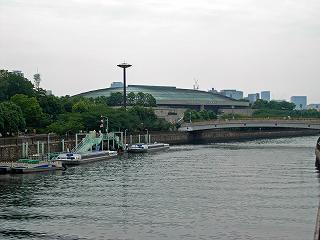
(264, 189)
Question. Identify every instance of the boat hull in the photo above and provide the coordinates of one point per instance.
(77, 159)
(148, 148)
(5, 169)
(33, 170)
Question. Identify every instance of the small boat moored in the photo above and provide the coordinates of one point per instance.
(143, 147)
(81, 158)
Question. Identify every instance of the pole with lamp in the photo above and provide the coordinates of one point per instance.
(106, 130)
(124, 66)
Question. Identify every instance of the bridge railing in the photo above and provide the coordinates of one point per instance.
(230, 121)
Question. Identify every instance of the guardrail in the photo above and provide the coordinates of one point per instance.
(252, 123)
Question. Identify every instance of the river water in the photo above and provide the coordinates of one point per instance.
(264, 189)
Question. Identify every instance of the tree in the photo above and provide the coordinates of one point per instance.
(82, 106)
(274, 105)
(12, 84)
(51, 105)
(115, 99)
(11, 118)
(131, 98)
(67, 122)
(150, 101)
(140, 99)
(32, 112)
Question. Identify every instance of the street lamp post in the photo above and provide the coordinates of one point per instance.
(102, 123)
(124, 66)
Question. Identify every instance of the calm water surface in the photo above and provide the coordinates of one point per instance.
(266, 189)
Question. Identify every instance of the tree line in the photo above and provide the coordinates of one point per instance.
(26, 109)
(281, 109)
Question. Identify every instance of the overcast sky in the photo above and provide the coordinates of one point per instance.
(249, 45)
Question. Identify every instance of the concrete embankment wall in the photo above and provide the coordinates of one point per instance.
(11, 148)
(225, 136)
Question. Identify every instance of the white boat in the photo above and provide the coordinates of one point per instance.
(144, 147)
(317, 152)
(81, 158)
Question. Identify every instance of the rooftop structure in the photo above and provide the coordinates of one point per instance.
(116, 85)
(175, 97)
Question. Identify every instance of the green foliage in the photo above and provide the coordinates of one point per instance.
(274, 105)
(231, 116)
(131, 99)
(70, 122)
(83, 105)
(36, 110)
(115, 99)
(272, 113)
(11, 118)
(31, 109)
(51, 105)
(12, 84)
(199, 115)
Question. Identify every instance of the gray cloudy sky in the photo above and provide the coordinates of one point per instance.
(250, 45)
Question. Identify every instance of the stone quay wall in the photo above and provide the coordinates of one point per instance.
(11, 148)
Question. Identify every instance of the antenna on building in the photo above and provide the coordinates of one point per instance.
(196, 84)
(37, 80)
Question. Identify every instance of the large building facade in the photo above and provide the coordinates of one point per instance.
(173, 97)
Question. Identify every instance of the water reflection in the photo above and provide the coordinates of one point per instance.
(248, 190)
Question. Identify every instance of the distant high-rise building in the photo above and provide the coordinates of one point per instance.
(232, 93)
(252, 97)
(18, 72)
(299, 101)
(314, 106)
(265, 95)
(116, 85)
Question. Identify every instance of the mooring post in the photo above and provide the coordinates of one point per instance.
(113, 141)
(27, 154)
(23, 150)
(76, 140)
(38, 148)
(62, 142)
(42, 148)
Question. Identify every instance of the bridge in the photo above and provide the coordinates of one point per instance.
(252, 123)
